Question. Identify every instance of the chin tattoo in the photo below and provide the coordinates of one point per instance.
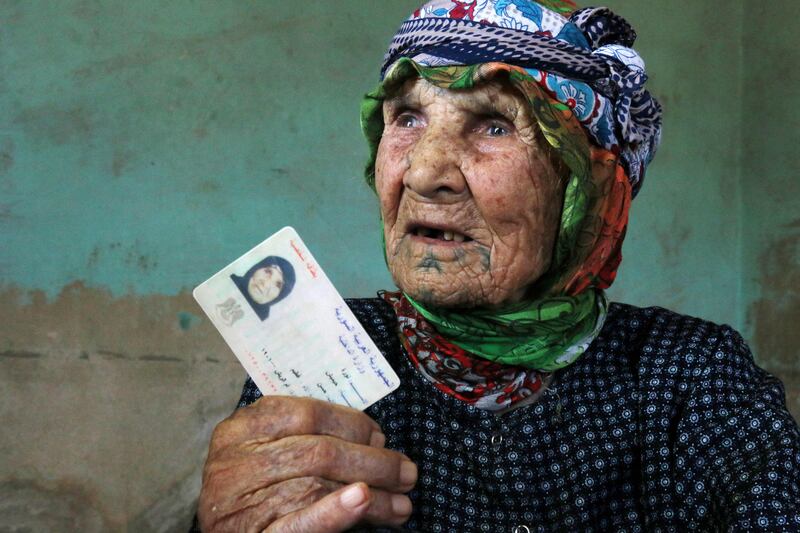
(429, 262)
(486, 258)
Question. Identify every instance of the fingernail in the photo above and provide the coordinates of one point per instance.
(401, 505)
(408, 473)
(353, 497)
(377, 439)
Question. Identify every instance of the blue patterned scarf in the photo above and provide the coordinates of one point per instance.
(586, 60)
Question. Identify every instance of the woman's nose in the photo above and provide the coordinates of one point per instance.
(434, 169)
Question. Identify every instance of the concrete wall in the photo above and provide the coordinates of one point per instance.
(770, 210)
(144, 145)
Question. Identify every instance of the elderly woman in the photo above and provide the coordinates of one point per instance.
(507, 139)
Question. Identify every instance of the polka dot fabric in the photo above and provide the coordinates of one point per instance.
(665, 424)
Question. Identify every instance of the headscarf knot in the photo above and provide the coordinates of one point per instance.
(611, 38)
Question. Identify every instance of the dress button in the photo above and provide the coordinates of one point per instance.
(497, 440)
(522, 528)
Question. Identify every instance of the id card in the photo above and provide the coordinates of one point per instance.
(290, 328)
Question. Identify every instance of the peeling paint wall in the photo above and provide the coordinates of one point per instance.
(771, 190)
(144, 145)
(108, 401)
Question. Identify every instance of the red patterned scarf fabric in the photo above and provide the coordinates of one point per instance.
(454, 371)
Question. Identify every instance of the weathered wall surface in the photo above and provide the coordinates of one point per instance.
(771, 190)
(143, 145)
(108, 402)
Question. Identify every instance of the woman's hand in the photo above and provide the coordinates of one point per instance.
(297, 464)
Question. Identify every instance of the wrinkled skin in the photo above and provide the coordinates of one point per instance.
(470, 163)
(283, 464)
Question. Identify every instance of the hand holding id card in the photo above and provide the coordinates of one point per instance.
(290, 328)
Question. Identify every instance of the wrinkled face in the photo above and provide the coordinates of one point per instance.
(265, 285)
(470, 200)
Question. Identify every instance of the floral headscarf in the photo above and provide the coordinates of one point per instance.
(585, 62)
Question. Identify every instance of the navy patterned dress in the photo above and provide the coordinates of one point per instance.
(665, 424)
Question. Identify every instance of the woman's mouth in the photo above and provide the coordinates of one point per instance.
(439, 234)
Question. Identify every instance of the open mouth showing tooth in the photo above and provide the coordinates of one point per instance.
(441, 235)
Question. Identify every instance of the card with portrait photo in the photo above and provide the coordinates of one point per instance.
(290, 328)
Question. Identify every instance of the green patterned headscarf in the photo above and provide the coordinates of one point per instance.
(568, 306)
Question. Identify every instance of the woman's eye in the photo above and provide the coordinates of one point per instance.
(407, 120)
(497, 130)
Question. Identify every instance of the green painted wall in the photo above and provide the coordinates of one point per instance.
(770, 207)
(150, 144)
(144, 145)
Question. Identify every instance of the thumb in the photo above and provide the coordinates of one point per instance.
(335, 512)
